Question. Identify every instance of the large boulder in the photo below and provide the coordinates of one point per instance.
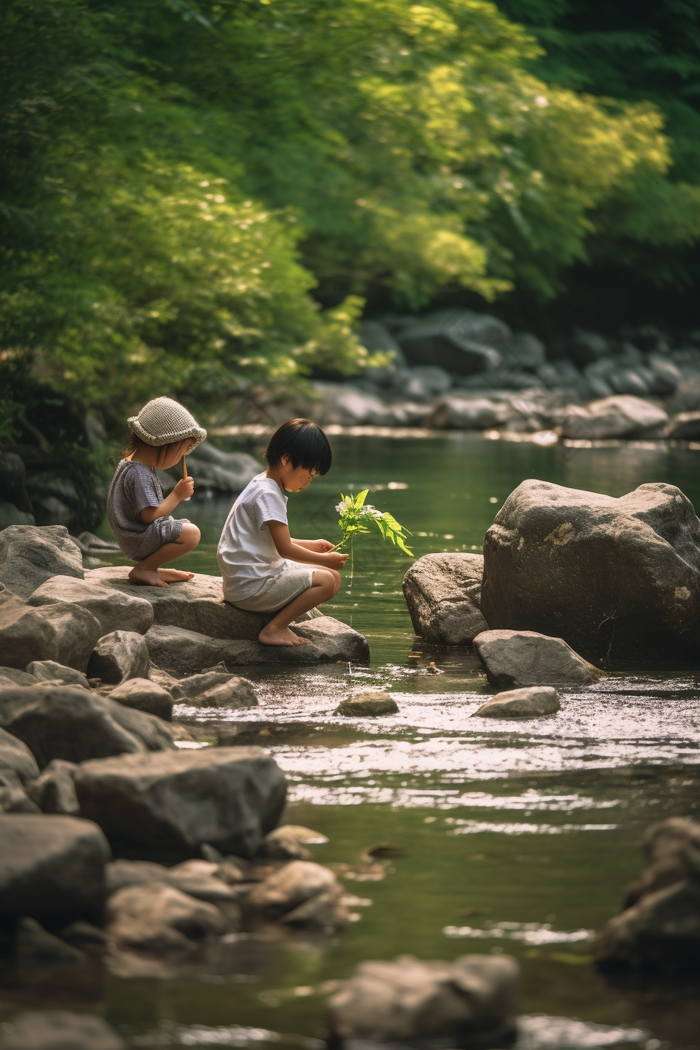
(24, 634)
(616, 578)
(115, 609)
(660, 926)
(75, 630)
(157, 917)
(176, 801)
(59, 1030)
(443, 594)
(57, 721)
(54, 790)
(684, 427)
(29, 555)
(460, 341)
(531, 702)
(51, 671)
(187, 652)
(457, 412)
(16, 759)
(620, 416)
(51, 867)
(513, 659)
(409, 999)
(118, 657)
(215, 471)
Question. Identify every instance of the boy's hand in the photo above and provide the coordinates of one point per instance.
(322, 546)
(335, 560)
(184, 489)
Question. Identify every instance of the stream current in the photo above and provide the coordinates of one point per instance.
(517, 837)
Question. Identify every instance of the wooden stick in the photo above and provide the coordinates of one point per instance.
(184, 468)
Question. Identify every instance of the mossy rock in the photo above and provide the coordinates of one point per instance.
(367, 704)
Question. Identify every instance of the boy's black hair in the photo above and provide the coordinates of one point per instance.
(305, 444)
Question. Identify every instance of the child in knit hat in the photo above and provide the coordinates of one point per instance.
(141, 518)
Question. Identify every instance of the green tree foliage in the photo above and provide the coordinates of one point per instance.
(178, 177)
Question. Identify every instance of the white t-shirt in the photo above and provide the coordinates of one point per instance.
(246, 553)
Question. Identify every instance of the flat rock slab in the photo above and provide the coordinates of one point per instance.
(513, 659)
(59, 1030)
(367, 705)
(186, 652)
(443, 594)
(30, 555)
(531, 702)
(51, 866)
(114, 609)
(227, 797)
(74, 724)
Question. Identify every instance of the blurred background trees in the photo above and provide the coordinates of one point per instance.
(199, 195)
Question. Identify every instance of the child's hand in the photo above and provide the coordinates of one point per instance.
(322, 546)
(184, 489)
(335, 560)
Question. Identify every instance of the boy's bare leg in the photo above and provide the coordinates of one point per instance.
(148, 571)
(324, 584)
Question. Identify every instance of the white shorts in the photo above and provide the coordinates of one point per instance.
(278, 591)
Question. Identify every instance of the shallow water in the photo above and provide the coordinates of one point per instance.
(509, 837)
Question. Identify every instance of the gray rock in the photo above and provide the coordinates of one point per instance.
(183, 652)
(422, 383)
(621, 416)
(51, 866)
(352, 406)
(629, 381)
(75, 631)
(10, 515)
(24, 634)
(13, 798)
(96, 543)
(376, 336)
(12, 676)
(196, 684)
(144, 695)
(29, 555)
(16, 758)
(156, 917)
(443, 594)
(409, 999)
(289, 842)
(659, 928)
(617, 578)
(300, 893)
(86, 938)
(513, 659)
(166, 681)
(119, 656)
(460, 341)
(113, 608)
(235, 694)
(36, 946)
(74, 724)
(666, 375)
(51, 671)
(227, 797)
(215, 471)
(12, 479)
(585, 347)
(527, 351)
(367, 705)
(59, 1030)
(198, 878)
(467, 413)
(54, 790)
(684, 427)
(531, 702)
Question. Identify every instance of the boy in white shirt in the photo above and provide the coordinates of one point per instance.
(263, 568)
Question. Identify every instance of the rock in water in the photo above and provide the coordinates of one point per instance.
(443, 594)
(531, 702)
(684, 427)
(75, 724)
(51, 866)
(519, 658)
(660, 926)
(620, 416)
(156, 917)
(237, 693)
(119, 656)
(616, 578)
(367, 704)
(408, 999)
(144, 695)
(30, 554)
(114, 609)
(300, 894)
(227, 797)
(59, 1030)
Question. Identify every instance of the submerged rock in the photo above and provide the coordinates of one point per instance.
(30, 555)
(660, 926)
(409, 999)
(520, 658)
(176, 801)
(443, 594)
(51, 866)
(114, 609)
(614, 577)
(59, 1030)
(531, 702)
(367, 704)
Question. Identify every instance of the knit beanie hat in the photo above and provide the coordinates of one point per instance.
(164, 422)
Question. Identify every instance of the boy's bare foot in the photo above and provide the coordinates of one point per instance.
(173, 575)
(147, 577)
(281, 636)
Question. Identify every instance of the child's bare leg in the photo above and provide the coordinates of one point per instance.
(148, 571)
(324, 584)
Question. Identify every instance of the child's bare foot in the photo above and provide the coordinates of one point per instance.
(280, 636)
(147, 577)
(173, 575)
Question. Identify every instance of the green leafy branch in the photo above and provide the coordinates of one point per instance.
(356, 516)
